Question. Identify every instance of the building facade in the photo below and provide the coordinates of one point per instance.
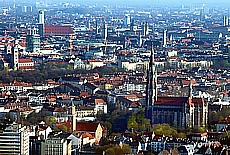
(56, 146)
(14, 140)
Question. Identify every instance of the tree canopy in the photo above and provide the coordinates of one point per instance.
(138, 121)
(164, 129)
(113, 150)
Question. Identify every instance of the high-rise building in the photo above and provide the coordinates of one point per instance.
(145, 29)
(127, 20)
(164, 41)
(33, 41)
(105, 31)
(56, 146)
(24, 9)
(225, 20)
(14, 140)
(228, 54)
(41, 22)
(29, 9)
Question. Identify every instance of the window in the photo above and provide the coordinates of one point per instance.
(99, 133)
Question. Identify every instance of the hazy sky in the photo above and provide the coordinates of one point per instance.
(152, 2)
(157, 1)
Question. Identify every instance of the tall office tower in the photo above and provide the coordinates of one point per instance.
(29, 9)
(228, 54)
(127, 21)
(97, 29)
(202, 16)
(151, 87)
(14, 140)
(88, 24)
(15, 56)
(104, 31)
(145, 29)
(225, 20)
(33, 41)
(132, 25)
(24, 9)
(41, 22)
(164, 41)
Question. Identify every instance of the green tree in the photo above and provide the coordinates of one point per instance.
(99, 150)
(201, 129)
(63, 128)
(110, 151)
(132, 124)
(118, 150)
(126, 149)
(181, 135)
(226, 134)
(108, 125)
(164, 129)
(50, 120)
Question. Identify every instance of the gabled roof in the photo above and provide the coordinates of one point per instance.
(174, 101)
(87, 126)
(101, 101)
(25, 60)
(58, 30)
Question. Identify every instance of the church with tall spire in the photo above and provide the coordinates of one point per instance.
(151, 86)
(182, 112)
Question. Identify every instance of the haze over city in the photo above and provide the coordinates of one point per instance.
(114, 77)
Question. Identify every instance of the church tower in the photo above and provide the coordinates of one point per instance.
(15, 57)
(72, 116)
(190, 90)
(151, 88)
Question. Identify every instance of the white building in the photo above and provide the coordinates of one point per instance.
(14, 140)
(55, 146)
(101, 106)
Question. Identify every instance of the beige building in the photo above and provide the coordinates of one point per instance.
(84, 111)
(56, 146)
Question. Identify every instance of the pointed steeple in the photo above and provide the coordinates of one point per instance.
(72, 103)
(72, 115)
(190, 89)
(151, 87)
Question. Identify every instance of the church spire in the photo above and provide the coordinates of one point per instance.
(151, 87)
(190, 89)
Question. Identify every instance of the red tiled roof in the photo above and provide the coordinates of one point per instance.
(187, 82)
(178, 101)
(99, 101)
(87, 126)
(198, 101)
(174, 101)
(59, 110)
(84, 94)
(58, 30)
(25, 60)
(26, 67)
(134, 105)
(84, 135)
(23, 44)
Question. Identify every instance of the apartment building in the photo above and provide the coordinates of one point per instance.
(56, 146)
(14, 140)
